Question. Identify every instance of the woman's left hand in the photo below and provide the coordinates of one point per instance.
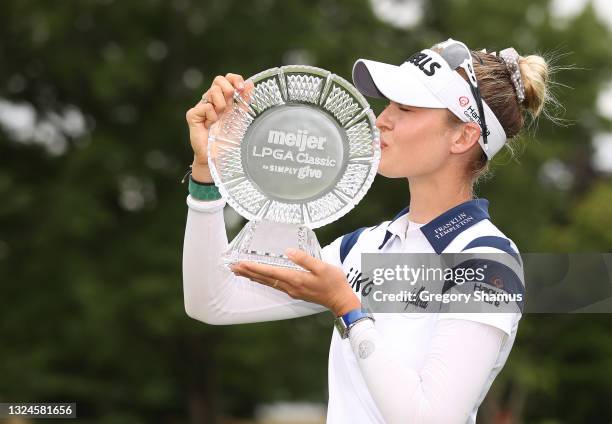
(325, 284)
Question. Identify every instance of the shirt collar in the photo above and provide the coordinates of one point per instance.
(441, 231)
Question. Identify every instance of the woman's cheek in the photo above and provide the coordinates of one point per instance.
(392, 164)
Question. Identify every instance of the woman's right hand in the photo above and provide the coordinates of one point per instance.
(218, 97)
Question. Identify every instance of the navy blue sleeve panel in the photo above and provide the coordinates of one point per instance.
(487, 275)
(496, 242)
(348, 241)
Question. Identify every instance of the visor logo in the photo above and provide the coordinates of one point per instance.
(425, 63)
(463, 101)
(473, 115)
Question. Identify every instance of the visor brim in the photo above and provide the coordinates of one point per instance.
(399, 84)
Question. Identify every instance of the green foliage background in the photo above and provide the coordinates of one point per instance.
(91, 235)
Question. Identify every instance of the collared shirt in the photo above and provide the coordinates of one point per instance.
(464, 228)
(215, 296)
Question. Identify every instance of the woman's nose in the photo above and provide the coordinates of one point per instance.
(383, 121)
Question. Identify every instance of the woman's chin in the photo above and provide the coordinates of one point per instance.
(385, 170)
(385, 173)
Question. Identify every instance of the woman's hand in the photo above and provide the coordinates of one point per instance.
(325, 284)
(206, 112)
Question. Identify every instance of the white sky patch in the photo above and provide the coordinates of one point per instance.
(602, 157)
(71, 122)
(557, 174)
(23, 124)
(18, 119)
(563, 11)
(566, 9)
(604, 101)
(399, 13)
(603, 8)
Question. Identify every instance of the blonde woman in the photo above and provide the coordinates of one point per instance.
(450, 111)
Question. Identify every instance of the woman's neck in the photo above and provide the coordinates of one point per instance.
(430, 198)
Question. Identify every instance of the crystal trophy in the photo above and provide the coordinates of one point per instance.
(299, 153)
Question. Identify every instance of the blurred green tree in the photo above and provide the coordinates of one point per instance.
(93, 143)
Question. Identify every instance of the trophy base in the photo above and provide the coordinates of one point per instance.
(265, 242)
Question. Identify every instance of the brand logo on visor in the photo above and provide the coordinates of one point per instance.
(463, 101)
(472, 114)
(425, 63)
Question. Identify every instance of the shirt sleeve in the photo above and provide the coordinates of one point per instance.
(503, 276)
(212, 293)
(457, 369)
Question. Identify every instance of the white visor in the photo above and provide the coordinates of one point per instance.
(426, 80)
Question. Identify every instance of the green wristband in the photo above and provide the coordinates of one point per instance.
(201, 191)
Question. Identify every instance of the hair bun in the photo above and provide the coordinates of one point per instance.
(534, 73)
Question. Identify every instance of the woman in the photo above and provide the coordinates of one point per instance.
(450, 110)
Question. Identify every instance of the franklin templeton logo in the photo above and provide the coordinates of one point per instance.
(301, 139)
(453, 224)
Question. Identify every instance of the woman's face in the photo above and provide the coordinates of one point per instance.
(414, 141)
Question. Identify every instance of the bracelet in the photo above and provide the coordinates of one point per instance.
(203, 191)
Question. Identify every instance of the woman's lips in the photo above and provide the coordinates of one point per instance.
(382, 144)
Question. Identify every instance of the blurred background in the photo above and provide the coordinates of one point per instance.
(93, 144)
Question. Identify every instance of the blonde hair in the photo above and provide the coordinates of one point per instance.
(498, 91)
(535, 75)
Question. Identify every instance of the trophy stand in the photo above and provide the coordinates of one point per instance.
(265, 241)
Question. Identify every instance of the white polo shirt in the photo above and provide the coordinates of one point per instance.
(215, 296)
(465, 228)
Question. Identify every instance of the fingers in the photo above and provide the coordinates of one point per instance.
(211, 117)
(217, 99)
(244, 270)
(202, 113)
(236, 80)
(271, 271)
(221, 92)
(216, 96)
(225, 85)
(248, 89)
(294, 283)
(244, 87)
(303, 259)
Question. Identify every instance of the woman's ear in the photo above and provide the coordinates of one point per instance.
(466, 137)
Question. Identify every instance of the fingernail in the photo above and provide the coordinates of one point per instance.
(290, 252)
(240, 86)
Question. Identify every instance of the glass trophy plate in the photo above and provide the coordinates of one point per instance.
(299, 153)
